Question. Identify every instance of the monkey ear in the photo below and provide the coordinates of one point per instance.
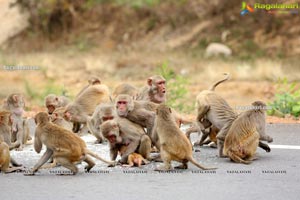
(130, 105)
(149, 81)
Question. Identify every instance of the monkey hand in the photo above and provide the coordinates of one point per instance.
(113, 164)
(123, 160)
(29, 173)
(270, 139)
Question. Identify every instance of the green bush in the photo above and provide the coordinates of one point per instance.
(176, 84)
(39, 95)
(287, 100)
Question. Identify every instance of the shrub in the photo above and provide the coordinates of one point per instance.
(287, 99)
(176, 96)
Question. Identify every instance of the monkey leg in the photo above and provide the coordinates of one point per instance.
(205, 134)
(90, 163)
(76, 127)
(166, 157)
(184, 165)
(145, 147)
(191, 130)
(12, 169)
(49, 165)
(221, 138)
(213, 145)
(236, 158)
(202, 110)
(67, 164)
(264, 146)
(264, 137)
(42, 161)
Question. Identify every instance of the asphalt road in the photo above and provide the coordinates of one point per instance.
(275, 175)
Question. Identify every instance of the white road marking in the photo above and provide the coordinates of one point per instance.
(278, 146)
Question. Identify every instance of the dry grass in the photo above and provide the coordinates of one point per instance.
(70, 69)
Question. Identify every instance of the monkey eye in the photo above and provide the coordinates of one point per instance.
(161, 82)
(122, 102)
(107, 118)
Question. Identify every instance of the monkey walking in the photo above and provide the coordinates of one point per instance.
(174, 145)
(65, 147)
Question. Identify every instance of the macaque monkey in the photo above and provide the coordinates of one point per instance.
(5, 129)
(212, 109)
(135, 159)
(125, 88)
(103, 112)
(93, 80)
(53, 102)
(125, 138)
(209, 136)
(85, 104)
(5, 159)
(20, 130)
(155, 91)
(65, 147)
(141, 112)
(136, 111)
(244, 134)
(174, 145)
(57, 118)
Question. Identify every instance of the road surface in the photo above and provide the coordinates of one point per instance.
(275, 175)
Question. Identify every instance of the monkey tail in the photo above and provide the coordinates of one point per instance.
(99, 158)
(192, 160)
(212, 88)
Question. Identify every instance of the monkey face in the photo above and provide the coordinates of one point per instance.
(122, 108)
(16, 104)
(161, 87)
(50, 108)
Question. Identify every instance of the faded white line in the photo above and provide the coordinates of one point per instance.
(278, 146)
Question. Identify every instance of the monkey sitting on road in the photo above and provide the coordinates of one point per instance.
(243, 136)
(174, 145)
(5, 159)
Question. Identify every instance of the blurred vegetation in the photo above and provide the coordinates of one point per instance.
(177, 89)
(287, 100)
(37, 95)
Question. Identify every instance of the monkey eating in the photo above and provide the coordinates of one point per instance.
(174, 145)
(125, 138)
(155, 91)
(53, 102)
(135, 159)
(244, 134)
(57, 118)
(65, 147)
